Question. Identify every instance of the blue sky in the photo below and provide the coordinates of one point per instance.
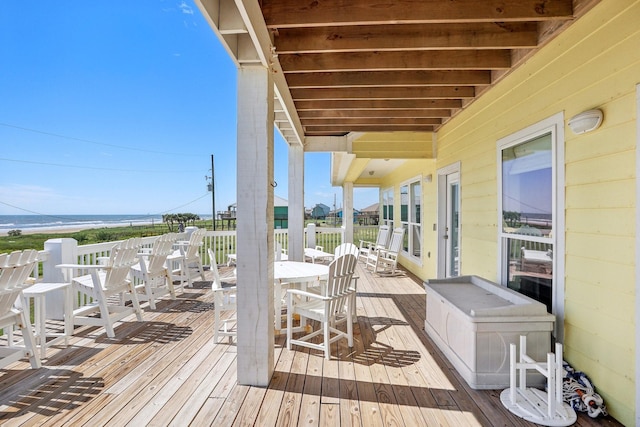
(115, 107)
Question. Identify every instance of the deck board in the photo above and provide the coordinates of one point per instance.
(168, 371)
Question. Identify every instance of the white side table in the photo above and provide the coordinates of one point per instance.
(180, 273)
(39, 293)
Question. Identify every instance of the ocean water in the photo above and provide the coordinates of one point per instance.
(33, 223)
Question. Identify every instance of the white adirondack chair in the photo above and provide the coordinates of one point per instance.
(107, 285)
(346, 249)
(385, 260)
(366, 248)
(15, 269)
(188, 259)
(224, 298)
(151, 276)
(327, 307)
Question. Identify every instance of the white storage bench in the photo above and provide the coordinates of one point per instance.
(473, 321)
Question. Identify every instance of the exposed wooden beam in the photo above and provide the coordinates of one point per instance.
(375, 121)
(377, 104)
(389, 78)
(286, 13)
(401, 60)
(489, 35)
(334, 114)
(343, 130)
(433, 92)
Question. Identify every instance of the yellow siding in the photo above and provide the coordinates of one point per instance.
(594, 64)
(394, 145)
(412, 169)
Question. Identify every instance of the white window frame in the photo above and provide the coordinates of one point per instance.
(555, 126)
(385, 220)
(411, 222)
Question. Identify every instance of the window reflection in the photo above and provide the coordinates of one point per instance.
(531, 269)
(527, 197)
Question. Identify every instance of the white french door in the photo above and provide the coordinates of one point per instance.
(452, 230)
(449, 221)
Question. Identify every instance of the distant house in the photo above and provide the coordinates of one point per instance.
(338, 214)
(280, 212)
(320, 211)
(369, 215)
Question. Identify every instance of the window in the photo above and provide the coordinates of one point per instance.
(410, 210)
(387, 207)
(528, 212)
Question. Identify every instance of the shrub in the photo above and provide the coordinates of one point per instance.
(14, 233)
(105, 236)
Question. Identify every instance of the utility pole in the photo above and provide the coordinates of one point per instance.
(211, 186)
(213, 194)
(335, 212)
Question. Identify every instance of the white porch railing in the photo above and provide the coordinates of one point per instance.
(223, 243)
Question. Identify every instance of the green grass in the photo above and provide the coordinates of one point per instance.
(88, 236)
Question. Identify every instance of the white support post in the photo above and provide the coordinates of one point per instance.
(61, 251)
(347, 211)
(311, 235)
(296, 203)
(255, 254)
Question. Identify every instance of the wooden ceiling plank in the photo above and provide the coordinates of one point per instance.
(289, 14)
(493, 35)
(333, 114)
(401, 60)
(389, 78)
(376, 104)
(433, 92)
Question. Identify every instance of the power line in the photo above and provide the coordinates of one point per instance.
(72, 138)
(131, 217)
(188, 203)
(85, 167)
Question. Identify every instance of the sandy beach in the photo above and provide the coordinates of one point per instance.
(64, 229)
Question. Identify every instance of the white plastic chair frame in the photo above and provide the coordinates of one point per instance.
(15, 269)
(189, 259)
(224, 299)
(105, 282)
(152, 278)
(342, 250)
(327, 307)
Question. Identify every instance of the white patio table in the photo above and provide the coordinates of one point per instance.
(315, 254)
(294, 273)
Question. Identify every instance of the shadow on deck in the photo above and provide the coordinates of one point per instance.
(167, 371)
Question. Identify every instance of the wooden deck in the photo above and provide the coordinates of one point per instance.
(168, 371)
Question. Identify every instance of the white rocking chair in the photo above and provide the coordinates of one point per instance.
(366, 248)
(385, 260)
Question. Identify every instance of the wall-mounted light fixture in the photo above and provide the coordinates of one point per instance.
(586, 121)
(428, 178)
